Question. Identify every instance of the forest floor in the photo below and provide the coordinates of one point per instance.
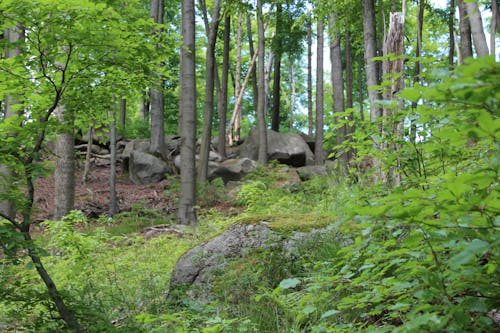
(92, 197)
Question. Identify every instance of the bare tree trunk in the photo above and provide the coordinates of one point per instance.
(476, 26)
(113, 208)
(222, 102)
(255, 89)
(261, 110)
(209, 94)
(360, 87)
(348, 70)
(494, 26)
(65, 166)
(156, 92)
(465, 32)
(369, 39)
(187, 202)
(275, 115)
(310, 121)
(318, 147)
(451, 29)
(292, 93)
(86, 168)
(123, 115)
(393, 71)
(337, 84)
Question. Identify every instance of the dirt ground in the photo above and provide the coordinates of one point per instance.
(92, 198)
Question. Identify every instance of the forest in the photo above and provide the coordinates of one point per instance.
(249, 166)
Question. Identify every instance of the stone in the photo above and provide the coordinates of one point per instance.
(145, 168)
(286, 148)
(233, 169)
(309, 171)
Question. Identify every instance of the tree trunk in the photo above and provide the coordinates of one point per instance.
(337, 85)
(318, 148)
(275, 115)
(360, 87)
(86, 168)
(393, 71)
(235, 126)
(451, 30)
(292, 94)
(123, 115)
(187, 201)
(348, 70)
(465, 32)
(156, 92)
(209, 94)
(310, 121)
(222, 102)
(64, 196)
(255, 89)
(369, 40)
(113, 207)
(494, 26)
(144, 106)
(476, 26)
(261, 109)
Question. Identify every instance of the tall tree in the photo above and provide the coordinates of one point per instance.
(318, 146)
(64, 197)
(222, 102)
(465, 31)
(187, 202)
(369, 40)
(451, 30)
(310, 121)
(209, 93)
(255, 89)
(277, 41)
(156, 91)
(261, 109)
(235, 123)
(477, 30)
(495, 25)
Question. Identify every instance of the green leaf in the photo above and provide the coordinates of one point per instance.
(329, 313)
(289, 283)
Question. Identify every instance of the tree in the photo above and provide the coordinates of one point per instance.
(465, 32)
(209, 93)
(310, 121)
(318, 146)
(275, 114)
(222, 102)
(369, 39)
(477, 30)
(187, 202)
(261, 107)
(156, 91)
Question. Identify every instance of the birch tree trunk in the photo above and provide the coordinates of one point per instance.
(261, 109)
(318, 147)
(209, 94)
(476, 26)
(187, 202)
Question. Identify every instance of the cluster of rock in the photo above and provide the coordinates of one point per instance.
(145, 167)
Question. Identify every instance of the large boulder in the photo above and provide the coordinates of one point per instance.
(310, 171)
(145, 168)
(197, 267)
(233, 169)
(288, 148)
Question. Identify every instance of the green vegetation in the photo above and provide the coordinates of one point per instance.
(422, 257)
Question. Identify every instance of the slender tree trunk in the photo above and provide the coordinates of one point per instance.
(113, 206)
(275, 115)
(494, 26)
(236, 119)
(310, 120)
(465, 32)
(451, 29)
(187, 202)
(476, 26)
(65, 166)
(348, 70)
(291, 79)
(86, 168)
(261, 109)
(123, 115)
(337, 84)
(156, 93)
(369, 39)
(360, 87)
(209, 94)
(418, 64)
(255, 89)
(318, 147)
(222, 102)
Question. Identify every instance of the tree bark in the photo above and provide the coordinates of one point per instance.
(310, 121)
(64, 197)
(348, 70)
(476, 26)
(337, 85)
(369, 40)
(156, 92)
(222, 102)
(465, 32)
(255, 89)
(494, 26)
(123, 115)
(187, 202)
(235, 123)
(261, 108)
(275, 115)
(291, 79)
(451, 30)
(209, 94)
(318, 147)
(113, 207)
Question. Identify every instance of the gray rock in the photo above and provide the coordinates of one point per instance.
(145, 168)
(308, 172)
(288, 148)
(196, 268)
(233, 169)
